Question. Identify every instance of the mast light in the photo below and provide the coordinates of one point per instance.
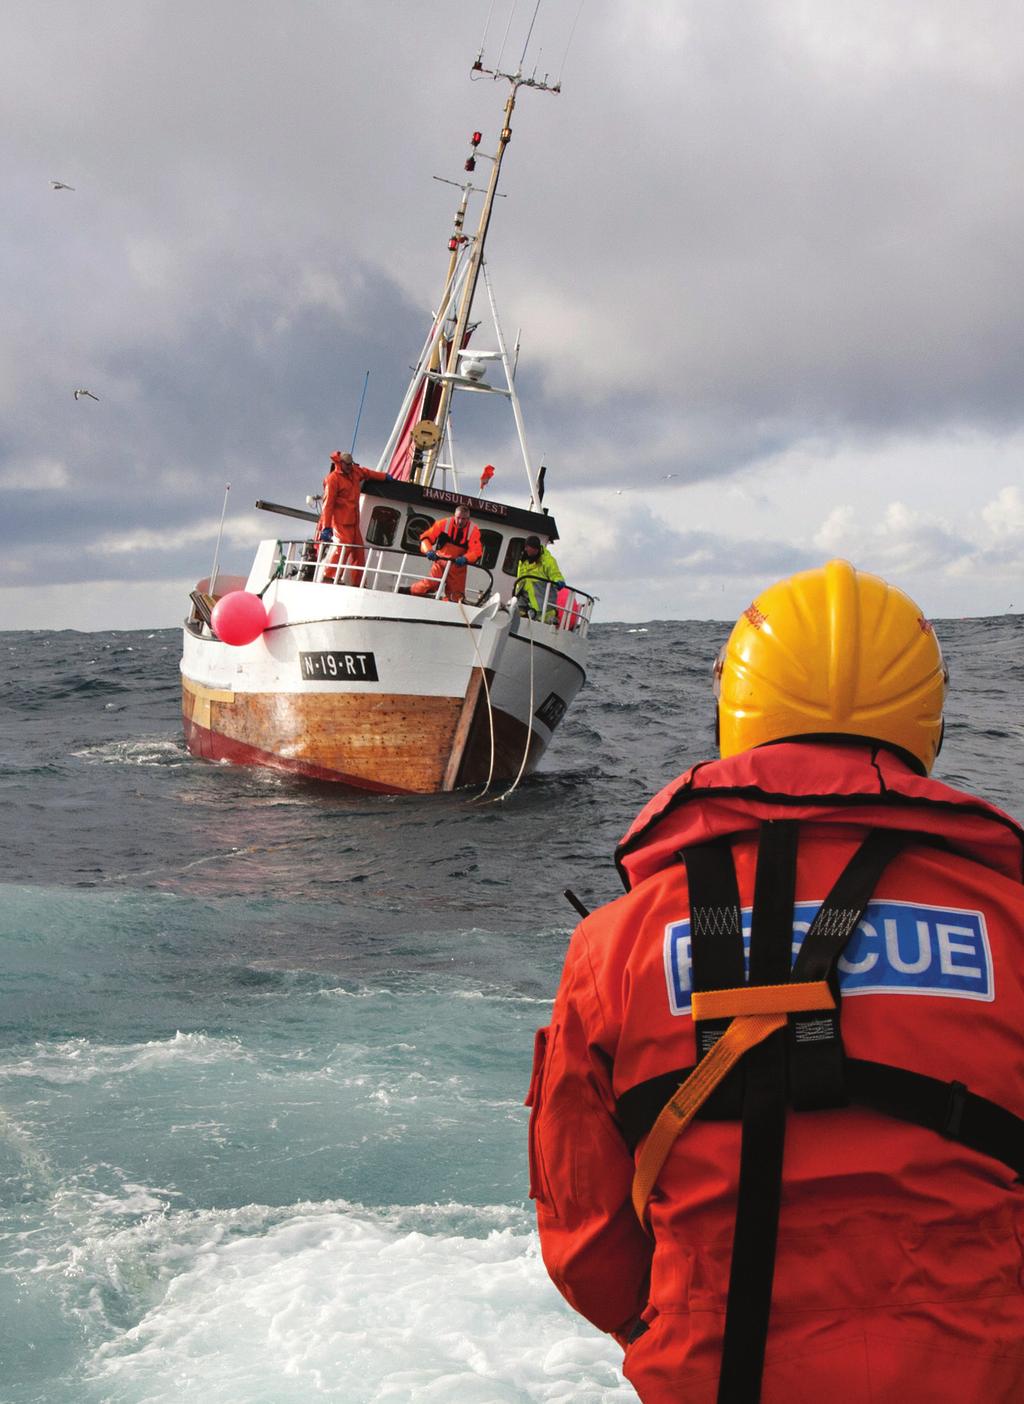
(476, 138)
(471, 164)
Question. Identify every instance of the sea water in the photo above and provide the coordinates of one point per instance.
(264, 1044)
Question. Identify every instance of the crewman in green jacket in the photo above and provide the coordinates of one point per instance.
(536, 566)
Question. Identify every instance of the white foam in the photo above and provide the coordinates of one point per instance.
(150, 751)
(493, 998)
(76, 1060)
(431, 1303)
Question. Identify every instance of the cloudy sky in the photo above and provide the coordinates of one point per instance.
(767, 257)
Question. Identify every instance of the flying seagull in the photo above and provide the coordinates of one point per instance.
(80, 393)
(666, 476)
(59, 185)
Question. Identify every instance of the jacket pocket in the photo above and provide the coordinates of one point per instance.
(539, 1187)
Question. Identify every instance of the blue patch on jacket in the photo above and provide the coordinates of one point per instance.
(898, 948)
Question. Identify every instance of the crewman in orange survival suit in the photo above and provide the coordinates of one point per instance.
(844, 1218)
(455, 539)
(339, 517)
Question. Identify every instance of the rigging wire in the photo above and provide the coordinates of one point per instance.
(359, 414)
(529, 34)
(220, 533)
(487, 695)
(572, 32)
(487, 25)
(504, 37)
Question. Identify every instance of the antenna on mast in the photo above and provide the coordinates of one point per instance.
(455, 342)
(487, 25)
(543, 85)
(518, 78)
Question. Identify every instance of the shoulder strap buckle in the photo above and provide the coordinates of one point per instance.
(956, 1101)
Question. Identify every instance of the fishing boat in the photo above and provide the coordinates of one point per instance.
(352, 676)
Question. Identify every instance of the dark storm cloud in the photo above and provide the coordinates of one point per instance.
(815, 238)
(258, 398)
(742, 227)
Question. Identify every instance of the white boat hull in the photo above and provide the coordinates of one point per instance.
(382, 691)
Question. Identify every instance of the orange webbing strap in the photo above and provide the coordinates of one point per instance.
(759, 1011)
(762, 999)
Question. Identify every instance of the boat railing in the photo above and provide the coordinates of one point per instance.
(387, 568)
(565, 608)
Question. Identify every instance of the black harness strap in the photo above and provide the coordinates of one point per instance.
(950, 1109)
(764, 1108)
(816, 1061)
(764, 1127)
(716, 955)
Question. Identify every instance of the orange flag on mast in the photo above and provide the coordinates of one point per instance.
(486, 475)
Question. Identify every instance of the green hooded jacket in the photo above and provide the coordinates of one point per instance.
(531, 575)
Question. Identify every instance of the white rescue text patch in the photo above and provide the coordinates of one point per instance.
(898, 948)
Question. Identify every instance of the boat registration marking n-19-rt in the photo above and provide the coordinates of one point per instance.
(338, 666)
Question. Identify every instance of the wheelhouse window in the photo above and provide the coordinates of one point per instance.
(382, 527)
(491, 542)
(513, 555)
(415, 525)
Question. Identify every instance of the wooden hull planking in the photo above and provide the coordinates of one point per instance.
(379, 742)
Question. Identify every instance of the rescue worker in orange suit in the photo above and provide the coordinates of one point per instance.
(842, 1217)
(453, 539)
(339, 517)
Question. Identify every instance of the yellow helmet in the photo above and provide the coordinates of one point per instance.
(829, 652)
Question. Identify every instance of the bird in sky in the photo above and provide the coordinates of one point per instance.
(59, 185)
(666, 476)
(80, 393)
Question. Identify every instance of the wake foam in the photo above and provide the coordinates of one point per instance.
(427, 1303)
(154, 751)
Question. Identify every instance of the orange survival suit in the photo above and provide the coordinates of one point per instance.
(340, 511)
(463, 541)
(899, 1265)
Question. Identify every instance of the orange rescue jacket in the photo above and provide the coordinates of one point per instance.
(899, 1266)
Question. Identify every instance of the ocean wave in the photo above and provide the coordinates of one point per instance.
(77, 1060)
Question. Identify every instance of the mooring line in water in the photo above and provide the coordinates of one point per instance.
(529, 737)
(487, 694)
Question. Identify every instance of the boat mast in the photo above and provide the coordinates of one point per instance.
(455, 244)
(515, 81)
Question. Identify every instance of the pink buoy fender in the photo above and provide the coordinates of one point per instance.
(239, 618)
(562, 602)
